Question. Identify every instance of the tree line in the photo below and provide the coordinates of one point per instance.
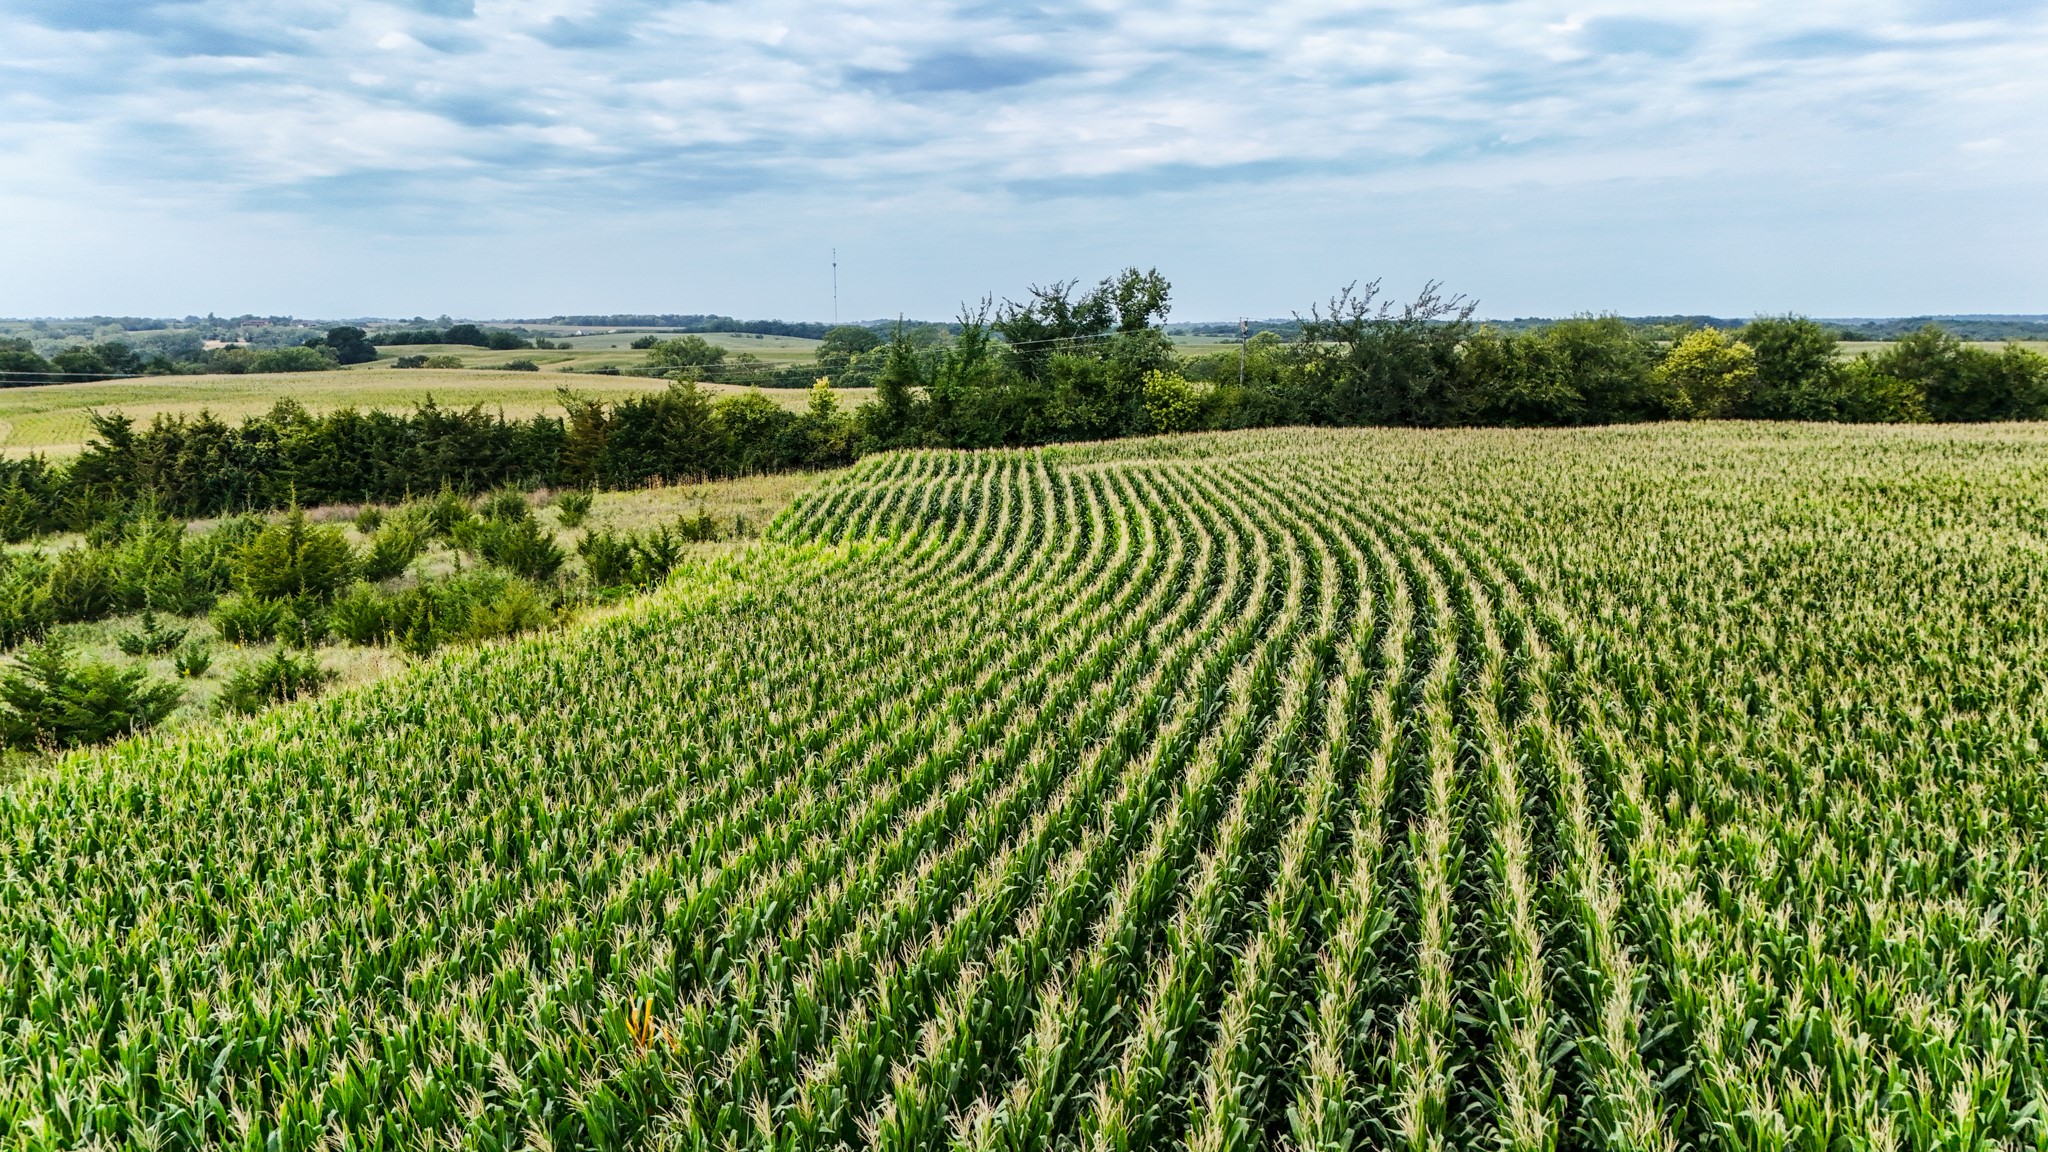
(21, 365)
(1065, 364)
(205, 466)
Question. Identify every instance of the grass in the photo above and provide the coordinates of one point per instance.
(52, 419)
(1659, 787)
(741, 507)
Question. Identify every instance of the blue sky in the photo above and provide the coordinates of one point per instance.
(499, 158)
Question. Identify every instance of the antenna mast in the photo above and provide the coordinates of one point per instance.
(835, 285)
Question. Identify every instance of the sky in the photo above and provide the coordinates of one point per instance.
(523, 158)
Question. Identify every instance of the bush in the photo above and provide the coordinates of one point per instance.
(81, 586)
(645, 342)
(153, 638)
(369, 519)
(359, 616)
(279, 678)
(607, 558)
(445, 513)
(505, 505)
(519, 366)
(641, 560)
(25, 611)
(441, 361)
(413, 361)
(521, 546)
(393, 548)
(291, 360)
(304, 622)
(51, 702)
(193, 660)
(1706, 374)
(518, 607)
(684, 352)
(294, 558)
(248, 619)
(573, 507)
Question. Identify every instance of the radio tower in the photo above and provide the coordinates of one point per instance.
(835, 286)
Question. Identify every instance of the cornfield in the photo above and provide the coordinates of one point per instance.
(1654, 789)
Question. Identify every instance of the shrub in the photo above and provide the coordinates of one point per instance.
(25, 611)
(369, 519)
(572, 508)
(395, 546)
(505, 505)
(414, 361)
(153, 638)
(445, 513)
(1706, 374)
(521, 546)
(520, 366)
(291, 360)
(294, 558)
(607, 558)
(641, 560)
(193, 660)
(645, 342)
(248, 619)
(684, 352)
(518, 607)
(50, 702)
(359, 616)
(304, 622)
(81, 586)
(442, 361)
(22, 515)
(278, 678)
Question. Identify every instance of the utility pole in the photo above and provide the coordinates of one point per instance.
(835, 286)
(1240, 353)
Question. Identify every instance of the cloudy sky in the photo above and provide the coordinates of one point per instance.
(498, 158)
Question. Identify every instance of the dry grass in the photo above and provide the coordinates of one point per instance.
(53, 419)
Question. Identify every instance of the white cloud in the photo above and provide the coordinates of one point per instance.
(415, 121)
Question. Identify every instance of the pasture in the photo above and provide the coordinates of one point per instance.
(52, 419)
(1657, 787)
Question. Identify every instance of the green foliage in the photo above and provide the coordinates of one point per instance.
(472, 606)
(444, 514)
(1706, 374)
(1644, 788)
(293, 557)
(642, 559)
(1171, 403)
(52, 701)
(395, 546)
(248, 619)
(505, 506)
(152, 638)
(291, 360)
(521, 365)
(358, 616)
(520, 546)
(573, 507)
(1961, 383)
(278, 678)
(350, 345)
(193, 660)
(684, 352)
(369, 519)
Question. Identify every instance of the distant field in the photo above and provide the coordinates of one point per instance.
(1857, 347)
(609, 350)
(52, 420)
